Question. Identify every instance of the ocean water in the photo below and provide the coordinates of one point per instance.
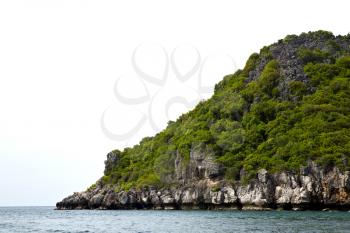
(46, 219)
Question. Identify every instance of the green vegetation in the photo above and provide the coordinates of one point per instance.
(92, 187)
(313, 56)
(249, 126)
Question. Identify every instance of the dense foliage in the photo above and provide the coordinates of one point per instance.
(250, 126)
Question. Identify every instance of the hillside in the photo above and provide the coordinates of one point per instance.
(276, 133)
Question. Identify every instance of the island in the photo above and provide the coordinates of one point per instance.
(274, 135)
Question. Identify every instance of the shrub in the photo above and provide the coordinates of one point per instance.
(314, 56)
(250, 64)
(297, 89)
(344, 62)
(289, 38)
(269, 78)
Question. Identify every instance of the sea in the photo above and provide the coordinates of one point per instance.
(47, 219)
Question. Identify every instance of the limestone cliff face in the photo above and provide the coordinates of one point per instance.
(200, 185)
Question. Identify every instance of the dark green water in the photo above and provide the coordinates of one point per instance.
(46, 219)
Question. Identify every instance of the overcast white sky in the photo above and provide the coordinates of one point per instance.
(60, 59)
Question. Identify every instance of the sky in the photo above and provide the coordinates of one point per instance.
(81, 78)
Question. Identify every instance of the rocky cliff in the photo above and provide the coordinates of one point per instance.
(275, 134)
(200, 185)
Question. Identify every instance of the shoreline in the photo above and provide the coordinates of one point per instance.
(244, 209)
(312, 189)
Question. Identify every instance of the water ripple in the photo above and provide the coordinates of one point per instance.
(46, 219)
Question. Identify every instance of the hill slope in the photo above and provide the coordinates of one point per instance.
(276, 133)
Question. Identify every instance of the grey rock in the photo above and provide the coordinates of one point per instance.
(312, 187)
(112, 160)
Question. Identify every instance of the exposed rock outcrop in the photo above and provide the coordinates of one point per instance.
(201, 186)
(290, 65)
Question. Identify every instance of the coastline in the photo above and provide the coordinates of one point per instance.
(314, 188)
